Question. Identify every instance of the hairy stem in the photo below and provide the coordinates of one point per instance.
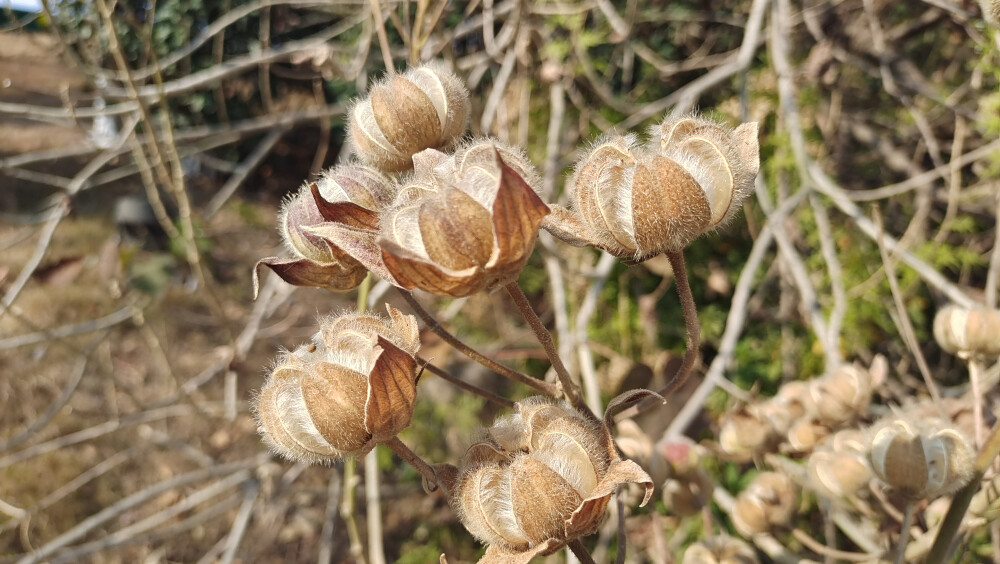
(570, 389)
(581, 552)
(690, 313)
(411, 458)
(433, 325)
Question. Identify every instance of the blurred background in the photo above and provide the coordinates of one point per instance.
(146, 145)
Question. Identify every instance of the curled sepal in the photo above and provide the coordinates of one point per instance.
(347, 213)
(338, 276)
(587, 518)
(392, 391)
(498, 555)
(358, 243)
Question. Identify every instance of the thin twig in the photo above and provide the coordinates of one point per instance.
(383, 40)
(472, 353)
(373, 507)
(569, 387)
(581, 552)
(690, 312)
(445, 375)
(411, 458)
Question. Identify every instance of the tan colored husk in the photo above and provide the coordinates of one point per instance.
(474, 231)
(721, 549)
(920, 459)
(968, 332)
(427, 107)
(639, 201)
(842, 395)
(805, 434)
(686, 494)
(352, 388)
(838, 474)
(745, 434)
(769, 501)
(553, 487)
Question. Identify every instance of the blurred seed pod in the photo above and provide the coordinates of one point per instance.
(920, 459)
(746, 434)
(539, 479)
(685, 494)
(794, 399)
(720, 549)
(637, 446)
(768, 502)
(638, 202)
(805, 434)
(474, 231)
(354, 386)
(425, 108)
(838, 474)
(842, 395)
(968, 332)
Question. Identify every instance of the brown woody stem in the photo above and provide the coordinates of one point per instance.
(411, 458)
(690, 313)
(465, 385)
(570, 389)
(433, 325)
(581, 552)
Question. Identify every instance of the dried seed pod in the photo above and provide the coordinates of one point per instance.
(838, 474)
(427, 107)
(768, 502)
(317, 262)
(794, 399)
(968, 332)
(686, 494)
(639, 202)
(473, 231)
(638, 446)
(746, 434)
(720, 549)
(920, 459)
(354, 386)
(539, 479)
(842, 395)
(805, 434)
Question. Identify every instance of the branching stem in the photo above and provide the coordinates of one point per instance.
(411, 458)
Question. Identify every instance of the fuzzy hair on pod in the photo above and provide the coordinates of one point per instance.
(922, 459)
(636, 200)
(539, 478)
(352, 387)
(426, 107)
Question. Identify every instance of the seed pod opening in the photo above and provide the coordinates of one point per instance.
(351, 388)
(920, 459)
(769, 501)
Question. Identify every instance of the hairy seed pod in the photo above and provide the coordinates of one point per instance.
(539, 479)
(768, 502)
(720, 549)
(920, 459)
(473, 231)
(637, 202)
(842, 395)
(746, 433)
(838, 474)
(805, 434)
(354, 386)
(968, 332)
(427, 107)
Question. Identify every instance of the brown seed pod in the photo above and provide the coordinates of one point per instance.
(638, 202)
(686, 494)
(768, 502)
(842, 395)
(920, 459)
(354, 386)
(746, 433)
(721, 549)
(473, 231)
(968, 332)
(427, 107)
(539, 479)
(805, 434)
(838, 474)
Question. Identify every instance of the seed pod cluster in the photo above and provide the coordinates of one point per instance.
(427, 107)
(968, 332)
(720, 549)
(638, 200)
(354, 386)
(922, 459)
(540, 478)
(352, 193)
(768, 502)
